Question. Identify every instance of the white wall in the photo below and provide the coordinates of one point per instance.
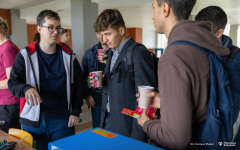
(233, 33)
(238, 36)
(84, 14)
(149, 38)
(19, 29)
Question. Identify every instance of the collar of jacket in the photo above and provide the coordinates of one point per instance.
(120, 57)
(96, 47)
(32, 48)
(226, 41)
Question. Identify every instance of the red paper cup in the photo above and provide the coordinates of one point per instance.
(99, 52)
(97, 78)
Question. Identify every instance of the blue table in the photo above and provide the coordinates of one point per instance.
(96, 139)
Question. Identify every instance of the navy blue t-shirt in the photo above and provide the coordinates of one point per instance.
(53, 84)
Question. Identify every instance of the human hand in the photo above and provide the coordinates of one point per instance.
(91, 79)
(90, 101)
(102, 57)
(143, 118)
(32, 97)
(155, 99)
(73, 121)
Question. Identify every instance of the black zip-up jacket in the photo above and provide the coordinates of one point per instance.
(25, 75)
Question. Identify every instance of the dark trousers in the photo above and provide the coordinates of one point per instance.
(96, 116)
(10, 114)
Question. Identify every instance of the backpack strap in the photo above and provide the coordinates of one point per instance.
(233, 52)
(206, 51)
(191, 44)
(129, 61)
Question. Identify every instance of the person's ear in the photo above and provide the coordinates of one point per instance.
(38, 29)
(219, 33)
(165, 9)
(122, 30)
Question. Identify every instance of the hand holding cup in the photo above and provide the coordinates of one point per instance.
(96, 78)
(101, 55)
(144, 100)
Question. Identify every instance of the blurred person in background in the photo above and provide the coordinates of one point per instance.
(92, 62)
(36, 37)
(9, 104)
(64, 38)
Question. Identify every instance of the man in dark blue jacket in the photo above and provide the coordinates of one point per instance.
(91, 63)
(218, 18)
(119, 88)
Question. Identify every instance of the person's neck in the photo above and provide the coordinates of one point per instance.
(170, 26)
(104, 46)
(3, 39)
(65, 42)
(122, 40)
(48, 48)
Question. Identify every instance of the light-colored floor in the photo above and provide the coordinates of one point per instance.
(86, 123)
(86, 113)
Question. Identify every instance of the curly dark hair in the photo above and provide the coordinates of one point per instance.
(3, 26)
(36, 37)
(64, 31)
(109, 18)
(46, 13)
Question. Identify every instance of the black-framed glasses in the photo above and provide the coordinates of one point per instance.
(52, 29)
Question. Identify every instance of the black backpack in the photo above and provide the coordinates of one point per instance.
(130, 65)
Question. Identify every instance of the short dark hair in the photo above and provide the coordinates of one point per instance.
(36, 37)
(46, 13)
(181, 8)
(109, 18)
(214, 14)
(64, 31)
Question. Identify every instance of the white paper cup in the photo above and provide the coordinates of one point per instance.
(144, 100)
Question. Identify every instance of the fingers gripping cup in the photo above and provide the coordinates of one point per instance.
(97, 78)
(144, 100)
(99, 52)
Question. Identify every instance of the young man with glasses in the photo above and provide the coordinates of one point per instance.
(43, 75)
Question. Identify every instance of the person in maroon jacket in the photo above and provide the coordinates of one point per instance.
(183, 75)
